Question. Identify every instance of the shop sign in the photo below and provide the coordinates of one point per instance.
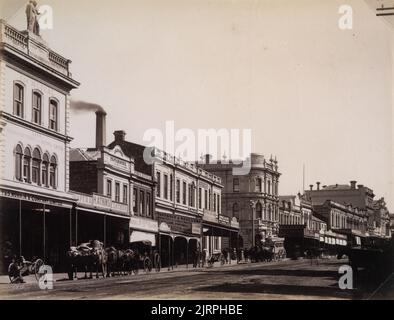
(143, 224)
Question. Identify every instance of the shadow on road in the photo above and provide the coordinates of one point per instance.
(286, 272)
(280, 289)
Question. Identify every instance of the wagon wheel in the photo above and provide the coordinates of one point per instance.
(147, 265)
(134, 267)
(157, 262)
(222, 260)
(36, 269)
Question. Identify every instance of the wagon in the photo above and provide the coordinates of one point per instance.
(147, 256)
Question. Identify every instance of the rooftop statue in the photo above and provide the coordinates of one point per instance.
(32, 15)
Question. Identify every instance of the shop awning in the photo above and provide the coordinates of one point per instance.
(138, 236)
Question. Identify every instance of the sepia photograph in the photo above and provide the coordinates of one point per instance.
(209, 151)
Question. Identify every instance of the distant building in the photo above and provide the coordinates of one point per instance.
(299, 226)
(358, 196)
(260, 185)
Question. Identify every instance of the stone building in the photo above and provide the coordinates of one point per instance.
(299, 226)
(360, 197)
(260, 185)
(187, 203)
(36, 208)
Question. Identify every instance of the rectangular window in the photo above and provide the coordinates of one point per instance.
(171, 188)
(205, 199)
(142, 203)
(189, 188)
(148, 205)
(184, 192)
(37, 102)
(125, 194)
(117, 192)
(199, 198)
(178, 191)
(165, 186)
(109, 188)
(53, 108)
(35, 174)
(158, 180)
(214, 202)
(135, 201)
(218, 204)
(269, 187)
(236, 184)
(209, 200)
(18, 100)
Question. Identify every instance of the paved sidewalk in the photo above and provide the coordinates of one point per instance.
(4, 279)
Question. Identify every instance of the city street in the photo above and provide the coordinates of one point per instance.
(278, 280)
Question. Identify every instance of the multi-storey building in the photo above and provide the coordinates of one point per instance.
(301, 229)
(260, 186)
(115, 201)
(36, 209)
(358, 196)
(187, 202)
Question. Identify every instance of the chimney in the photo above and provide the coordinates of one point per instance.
(119, 136)
(311, 186)
(100, 129)
(353, 185)
(318, 185)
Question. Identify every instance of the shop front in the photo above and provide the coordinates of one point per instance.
(179, 239)
(34, 226)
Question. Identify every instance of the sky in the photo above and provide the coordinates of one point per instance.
(311, 93)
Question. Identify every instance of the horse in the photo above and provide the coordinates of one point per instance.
(87, 257)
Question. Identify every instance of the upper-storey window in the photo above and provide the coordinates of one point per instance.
(236, 210)
(19, 99)
(44, 170)
(18, 162)
(53, 115)
(37, 107)
(184, 192)
(26, 165)
(117, 192)
(36, 166)
(158, 180)
(52, 173)
(165, 186)
(259, 211)
(236, 185)
(258, 185)
(178, 191)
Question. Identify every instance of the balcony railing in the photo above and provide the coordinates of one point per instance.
(101, 202)
(34, 47)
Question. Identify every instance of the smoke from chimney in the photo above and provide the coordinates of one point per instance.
(83, 106)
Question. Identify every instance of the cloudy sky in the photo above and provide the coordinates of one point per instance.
(311, 93)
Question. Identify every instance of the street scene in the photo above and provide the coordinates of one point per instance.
(273, 189)
(272, 281)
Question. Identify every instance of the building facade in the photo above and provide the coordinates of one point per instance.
(299, 226)
(35, 86)
(260, 185)
(187, 204)
(360, 197)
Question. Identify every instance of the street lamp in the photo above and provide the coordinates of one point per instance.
(253, 206)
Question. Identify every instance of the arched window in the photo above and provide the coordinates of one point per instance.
(36, 166)
(52, 172)
(37, 104)
(26, 165)
(53, 114)
(236, 211)
(259, 211)
(44, 170)
(18, 162)
(258, 185)
(18, 99)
